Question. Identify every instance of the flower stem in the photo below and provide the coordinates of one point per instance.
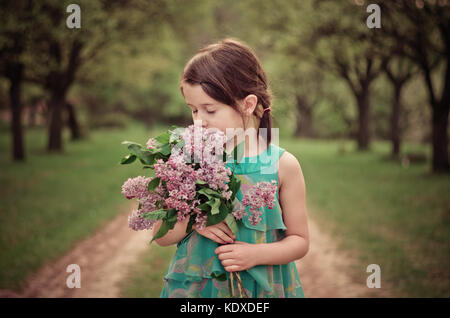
(232, 285)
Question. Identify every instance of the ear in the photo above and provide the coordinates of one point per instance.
(249, 104)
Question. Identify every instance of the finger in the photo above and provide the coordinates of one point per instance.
(224, 226)
(224, 249)
(228, 262)
(222, 235)
(216, 238)
(213, 237)
(233, 268)
(224, 256)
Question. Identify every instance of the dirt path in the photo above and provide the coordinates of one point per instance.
(105, 257)
(324, 271)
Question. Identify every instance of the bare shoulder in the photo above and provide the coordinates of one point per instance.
(289, 167)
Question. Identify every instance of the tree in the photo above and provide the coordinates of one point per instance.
(399, 71)
(14, 39)
(344, 45)
(421, 30)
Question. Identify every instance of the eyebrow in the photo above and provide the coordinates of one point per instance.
(204, 104)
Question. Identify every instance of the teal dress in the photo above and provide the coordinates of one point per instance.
(191, 271)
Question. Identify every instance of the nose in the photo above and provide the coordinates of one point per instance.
(203, 121)
(197, 121)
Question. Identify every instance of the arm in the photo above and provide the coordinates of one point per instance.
(293, 202)
(174, 235)
(241, 256)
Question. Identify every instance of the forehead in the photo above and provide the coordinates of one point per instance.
(194, 95)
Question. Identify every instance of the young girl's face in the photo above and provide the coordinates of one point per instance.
(212, 113)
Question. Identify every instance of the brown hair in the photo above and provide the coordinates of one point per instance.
(229, 71)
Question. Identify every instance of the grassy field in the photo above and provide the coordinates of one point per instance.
(53, 200)
(396, 217)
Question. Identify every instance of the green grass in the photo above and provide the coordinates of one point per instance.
(396, 217)
(146, 276)
(389, 215)
(51, 201)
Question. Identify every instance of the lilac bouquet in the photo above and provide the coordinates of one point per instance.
(191, 181)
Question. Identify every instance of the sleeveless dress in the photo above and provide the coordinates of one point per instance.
(193, 268)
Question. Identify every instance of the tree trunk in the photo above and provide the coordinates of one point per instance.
(395, 119)
(304, 121)
(15, 75)
(439, 121)
(55, 126)
(363, 101)
(58, 83)
(73, 122)
(440, 137)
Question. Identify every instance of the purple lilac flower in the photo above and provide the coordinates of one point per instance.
(148, 202)
(138, 223)
(135, 187)
(259, 195)
(203, 147)
(152, 143)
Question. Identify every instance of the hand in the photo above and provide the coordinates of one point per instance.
(219, 233)
(237, 257)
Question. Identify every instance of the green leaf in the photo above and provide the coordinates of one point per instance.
(168, 223)
(165, 149)
(220, 277)
(215, 204)
(128, 143)
(163, 229)
(231, 222)
(204, 192)
(205, 207)
(234, 185)
(174, 134)
(128, 159)
(163, 138)
(200, 182)
(147, 156)
(172, 215)
(159, 203)
(219, 217)
(152, 185)
(210, 193)
(238, 153)
(190, 224)
(155, 215)
(135, 149)
(179, 144)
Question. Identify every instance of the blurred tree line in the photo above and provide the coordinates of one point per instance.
(331, 74)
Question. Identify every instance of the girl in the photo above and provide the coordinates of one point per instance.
(226, 87)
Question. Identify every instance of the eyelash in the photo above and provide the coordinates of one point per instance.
(194, 111)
